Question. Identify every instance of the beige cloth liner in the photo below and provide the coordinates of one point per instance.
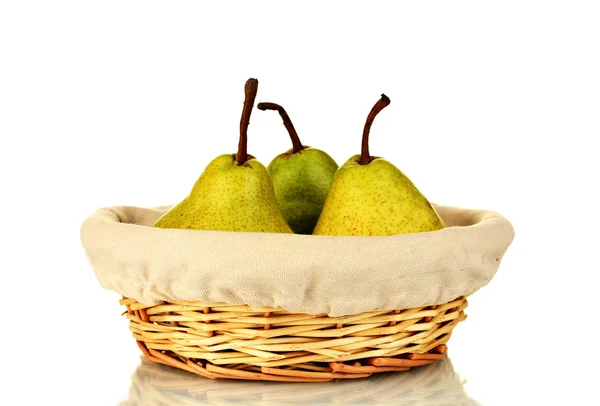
(301, 273)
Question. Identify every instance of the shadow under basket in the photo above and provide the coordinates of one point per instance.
(270, 344)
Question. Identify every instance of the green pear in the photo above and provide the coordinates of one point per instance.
(372, 197)
(234, 193)
(301, 177)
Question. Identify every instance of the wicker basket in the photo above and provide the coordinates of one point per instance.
(425, 276)
(220, 340)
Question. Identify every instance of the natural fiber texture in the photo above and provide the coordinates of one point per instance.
(239, 342)
(337, 276)
(432, 385)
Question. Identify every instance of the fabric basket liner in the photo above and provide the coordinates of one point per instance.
(301, 273)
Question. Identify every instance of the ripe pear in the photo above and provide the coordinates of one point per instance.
(372, 197)
(234, 193)
(301, 177)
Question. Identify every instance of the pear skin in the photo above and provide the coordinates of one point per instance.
(229, 197)
(374, 200)
(301, 181)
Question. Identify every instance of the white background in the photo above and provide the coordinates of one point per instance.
(495, 105)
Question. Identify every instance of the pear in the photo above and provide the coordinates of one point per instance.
(234, 193)
(301, 177)
(372, 197)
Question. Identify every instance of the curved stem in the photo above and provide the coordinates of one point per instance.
(297, 145)
(382, 103)
(250, 91)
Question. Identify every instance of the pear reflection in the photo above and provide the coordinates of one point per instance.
(435, 384)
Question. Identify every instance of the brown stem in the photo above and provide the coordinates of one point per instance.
(382, 103)
(297, 145)
(250, 91)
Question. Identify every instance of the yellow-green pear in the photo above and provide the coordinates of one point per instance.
(371, 197)
(234, 193)
(301, 177)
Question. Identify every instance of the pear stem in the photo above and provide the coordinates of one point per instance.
(287, 122)
(382, 103)
(250, 91)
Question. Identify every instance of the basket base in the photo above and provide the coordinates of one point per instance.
(267, 344)
(312, 372)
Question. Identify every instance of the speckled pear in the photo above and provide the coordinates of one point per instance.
(372, 197)
(301, 177)
(234, 193)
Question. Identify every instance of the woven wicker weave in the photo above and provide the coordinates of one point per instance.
(239, 342)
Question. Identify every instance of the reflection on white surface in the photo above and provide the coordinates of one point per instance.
(435, 384)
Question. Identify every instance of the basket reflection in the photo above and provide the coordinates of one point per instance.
(436, 384)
